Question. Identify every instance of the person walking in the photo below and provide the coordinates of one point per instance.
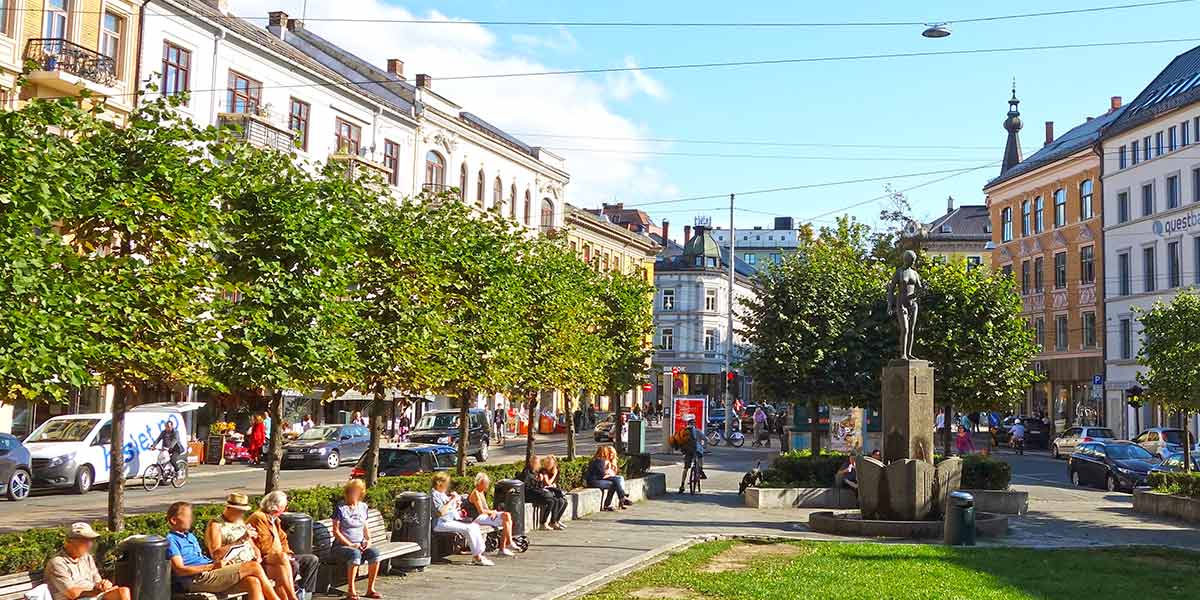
(256, 439)
(760, 422)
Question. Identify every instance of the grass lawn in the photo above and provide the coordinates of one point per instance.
(741, 570)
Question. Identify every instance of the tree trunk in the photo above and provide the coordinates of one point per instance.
(567, 402)
(947, 422)
(377, 410)
(275, 443)
(814, 428)
(464, 428)
(1187, 444)
(116, 453)
(531, 397)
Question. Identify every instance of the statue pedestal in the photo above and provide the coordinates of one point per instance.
(908, 411)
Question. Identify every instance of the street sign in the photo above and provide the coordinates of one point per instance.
(1097, 380)
(647, 387)
(1098, 392)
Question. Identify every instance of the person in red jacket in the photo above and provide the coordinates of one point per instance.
(257, 438)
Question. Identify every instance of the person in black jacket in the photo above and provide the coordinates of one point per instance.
(551, 505)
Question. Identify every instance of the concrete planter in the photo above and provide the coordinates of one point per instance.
(1165, 505)
(800, 498)
(585, 501)
(1005, 502)
(851, 523)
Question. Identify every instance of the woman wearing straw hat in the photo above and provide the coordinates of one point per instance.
(228, 537)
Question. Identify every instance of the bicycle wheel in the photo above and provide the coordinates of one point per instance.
(737, 439)
(694, 480)
(181, 473)
(714, 438)
(152, 478)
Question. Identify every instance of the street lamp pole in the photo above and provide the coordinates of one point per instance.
(729, 323)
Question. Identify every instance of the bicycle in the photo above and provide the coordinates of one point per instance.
(694, 478)
(164, 472)
(716, 435)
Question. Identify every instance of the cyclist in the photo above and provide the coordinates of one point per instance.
(1017, 436)
(168, 439)
(692, 446)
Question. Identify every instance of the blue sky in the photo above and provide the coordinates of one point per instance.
(952, 105)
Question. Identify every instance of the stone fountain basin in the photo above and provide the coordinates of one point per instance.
(850, 523)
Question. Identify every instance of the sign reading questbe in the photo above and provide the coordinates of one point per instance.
(1178, 224)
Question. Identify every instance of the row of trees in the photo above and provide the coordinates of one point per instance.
(819, 332)
(165, 252)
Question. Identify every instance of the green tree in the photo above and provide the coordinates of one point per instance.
(1170, 353)
(627, 328)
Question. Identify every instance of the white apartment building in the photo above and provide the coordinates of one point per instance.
(1151, 173)
(761, 246)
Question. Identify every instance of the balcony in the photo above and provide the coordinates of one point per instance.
(257, 130)
(69, 68)
(359, 164)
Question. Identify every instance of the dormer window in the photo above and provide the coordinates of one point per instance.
(946, 228)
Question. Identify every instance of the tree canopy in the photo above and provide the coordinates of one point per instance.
(1170, 353)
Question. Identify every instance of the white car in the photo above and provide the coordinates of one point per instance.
(1066, 443)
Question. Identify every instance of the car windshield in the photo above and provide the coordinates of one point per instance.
(1100, 432)
(401, 460)
(438, 421)
(1127, 451)
(317, 434)
(1174, 436)
(64, 430)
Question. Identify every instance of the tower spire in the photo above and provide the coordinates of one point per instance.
(1012, 124)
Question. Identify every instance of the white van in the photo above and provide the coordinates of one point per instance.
(72, 451)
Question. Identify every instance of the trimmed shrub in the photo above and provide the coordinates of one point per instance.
(799, 468)
(985, 473)
(1176, 484)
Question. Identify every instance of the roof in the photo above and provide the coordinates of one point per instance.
(496, 132)
(966, 223)
(380, 84)
(420, 448)
(674, 257)
(1079, 138)
(1177, 85)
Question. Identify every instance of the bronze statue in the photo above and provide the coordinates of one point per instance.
(902, 295)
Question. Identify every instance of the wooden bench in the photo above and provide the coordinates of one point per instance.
(15, 586)
(332, 572)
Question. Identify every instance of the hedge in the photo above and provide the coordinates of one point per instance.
(1176, 483)
(985, 473)
(29, 550)
(799, 468)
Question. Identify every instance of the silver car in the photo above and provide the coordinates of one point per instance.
(1065, 444)
(1162, 441)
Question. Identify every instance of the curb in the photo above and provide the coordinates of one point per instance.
(591, 582)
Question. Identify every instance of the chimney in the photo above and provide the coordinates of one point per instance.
(1114, 103)
(424, 81)
(395, 66)
(277, 23)
(949, 204)
(222, 6)
(687, 234)
(1049, 132)
(666, 230)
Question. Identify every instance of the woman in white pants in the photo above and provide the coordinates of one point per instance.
(499, 519)
(447, 509)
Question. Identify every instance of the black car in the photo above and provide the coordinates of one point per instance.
(1037, 435)
(410, 459)
(1113, 465)
(327, 446)
(603, 431)
(16, 474)
(441, 427)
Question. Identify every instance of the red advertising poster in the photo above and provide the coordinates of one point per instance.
(690, 405)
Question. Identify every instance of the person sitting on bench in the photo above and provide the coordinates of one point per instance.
(447, 514)
(192, 571)
(552, 506)
(280, 563)
(72, 574)
(602, 473)
(352, 539)
(548, 474)
(477, 503)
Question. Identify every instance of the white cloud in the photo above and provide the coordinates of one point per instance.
(561, 41)
(627, 84)
(564, 105)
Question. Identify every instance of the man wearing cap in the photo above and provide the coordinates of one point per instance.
(72, 574)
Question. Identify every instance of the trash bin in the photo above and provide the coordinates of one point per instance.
(510, 497)
(299, 528)
(637, 437)
(142, 567)
(412, 524)
(959, 527)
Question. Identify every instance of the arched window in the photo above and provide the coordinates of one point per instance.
(547, 214)
(435, 171)
(479, 189)
(462, 182)
(497, 194)
(528, 209)
(512, 202)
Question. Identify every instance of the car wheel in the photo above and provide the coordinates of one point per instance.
(1075, 479)
(1111, 484)
(333, 460)
(83, 480)
(482, 455)
(1054, 452)
(19, 485)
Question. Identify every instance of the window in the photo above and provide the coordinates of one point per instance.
(1039, 332)
(176, 69)
(1025, 219)
(58, 20)
(1089, 330)
(1087, 264)
(1060, 332)
(547, 214)
(244, 94)
(1006, 224)
(1158, 144)
(462, 182)
(479, 189)
(1196, 185)
(710, 300)
(1086, 211)
(752, 259)
(1148, 283)
(776, 258)
(668, 299)
(1060, 270)
(1147, 199)
(1196, 257)
(1133, 152)
(5, 28)
(666, 339)
(497, 194)
(528, 208)
(1172, 134)
(710, 340)
(1039, 274)
(435, 170)
(1174, 261)
(298, 121)
(1122, 207)
(1060, 207)
(1146, 148)
(1039, 209)
(1124, 275)
(1122, 159)
(1126, 339)
(112, 26)
(391, 160)
(1006, 270)
(349, 137)
(1025, 278)
(1172, 191)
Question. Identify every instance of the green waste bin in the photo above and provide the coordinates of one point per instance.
(959, 527)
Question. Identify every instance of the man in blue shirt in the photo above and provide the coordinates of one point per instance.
(192, 571)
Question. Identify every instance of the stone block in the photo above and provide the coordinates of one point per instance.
(909, 489)
(584, 502)
(907, 410)
(947, 478)
(872, 489)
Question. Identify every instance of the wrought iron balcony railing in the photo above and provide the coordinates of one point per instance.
(259, 130)
(56, 54)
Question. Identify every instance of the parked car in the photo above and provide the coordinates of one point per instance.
(1071, 438)
(1114, 465)
(1036, 432)
(441, 427)
(603, 431)
(327, 446)
(410, 459)
(1174, 463)
(16, 469)
(1163, 441)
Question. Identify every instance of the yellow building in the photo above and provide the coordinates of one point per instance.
(75, 45)
(964, 233)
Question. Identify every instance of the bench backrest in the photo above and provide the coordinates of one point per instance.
(13, 587)
(323, 532)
